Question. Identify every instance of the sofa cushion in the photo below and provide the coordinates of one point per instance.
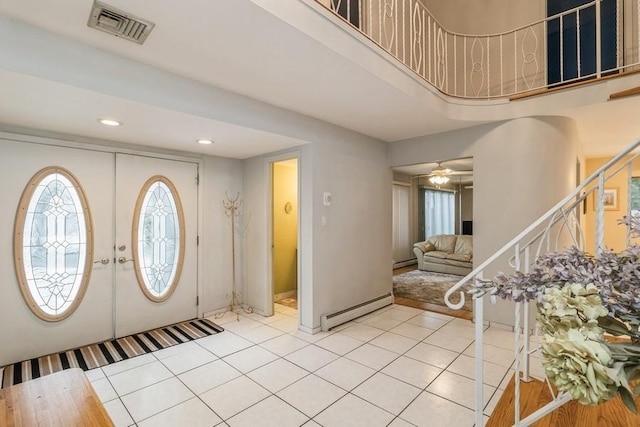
(460, 257)
(443, 242)
(427, 247)
(437, 254)
(464, 245)
(445, 261)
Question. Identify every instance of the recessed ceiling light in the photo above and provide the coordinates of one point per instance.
(205, 141)
(109, 122)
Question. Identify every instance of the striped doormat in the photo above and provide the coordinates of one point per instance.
(104, 353)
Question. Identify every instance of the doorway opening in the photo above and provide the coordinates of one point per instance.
(432, 232)
(285, 206)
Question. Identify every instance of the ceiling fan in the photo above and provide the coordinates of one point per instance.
(441, 175)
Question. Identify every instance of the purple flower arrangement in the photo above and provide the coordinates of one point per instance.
(582, 300)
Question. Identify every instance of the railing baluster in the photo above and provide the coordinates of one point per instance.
(516, 332)
(546, 59)
(404, 33)
(435, 52)
(501, 68)
(619, 52)
(527, 333)
(488, 70)
(348, 10)
(396, 26)
(515, 59)
(578, 41)
(598, 39)
(424, 35)
(464, 78)
(628, 211)
(561, 48)
(428, 48)
(370, 20)
(455, 66)
(600, 215)
(446, 62)
(478, 313)
(380, 12)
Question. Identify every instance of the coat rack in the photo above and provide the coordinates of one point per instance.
(232, 208)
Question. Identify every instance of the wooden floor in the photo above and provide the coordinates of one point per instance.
(62, 399)
(536, 394)
(437, 308)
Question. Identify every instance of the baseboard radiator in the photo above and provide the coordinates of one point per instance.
(328, 321)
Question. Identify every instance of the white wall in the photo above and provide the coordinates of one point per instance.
(521, 168)
(486, 16)
(344, 260)
(220, 175)
(352, 252)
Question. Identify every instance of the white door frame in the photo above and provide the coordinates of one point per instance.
(268, 302)
(103, 146)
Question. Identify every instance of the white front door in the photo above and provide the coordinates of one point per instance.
(136, 309)
(23, 334)
(114, 304)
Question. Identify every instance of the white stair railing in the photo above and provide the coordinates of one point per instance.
(486, 66)
(559, 228)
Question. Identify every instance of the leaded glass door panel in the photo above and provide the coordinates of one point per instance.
(156, 249)
(56, 248)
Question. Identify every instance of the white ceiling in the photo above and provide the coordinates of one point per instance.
(607, 128)
(238, 46)
(42, 104)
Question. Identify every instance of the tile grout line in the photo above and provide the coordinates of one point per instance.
(292, 334)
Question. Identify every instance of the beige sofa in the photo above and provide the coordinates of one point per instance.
(445, 253)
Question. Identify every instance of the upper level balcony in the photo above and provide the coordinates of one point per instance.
(596, 39)
(389, 71)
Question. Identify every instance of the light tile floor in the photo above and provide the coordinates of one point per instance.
(399, 366)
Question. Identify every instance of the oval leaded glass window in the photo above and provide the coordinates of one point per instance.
(53, 244)
(158, 238)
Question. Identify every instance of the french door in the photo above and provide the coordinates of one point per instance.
(114, 303)
(134, 310)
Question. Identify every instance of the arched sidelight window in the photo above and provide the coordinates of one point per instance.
(53, 246)
(158, 238)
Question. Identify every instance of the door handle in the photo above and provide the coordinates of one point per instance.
(122, 260)
(103, 261)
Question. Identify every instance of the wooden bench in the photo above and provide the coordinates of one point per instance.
(63, 399)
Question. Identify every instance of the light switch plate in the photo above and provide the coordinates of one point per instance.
(327, 199)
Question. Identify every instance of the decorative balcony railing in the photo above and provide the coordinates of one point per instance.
(598, 38)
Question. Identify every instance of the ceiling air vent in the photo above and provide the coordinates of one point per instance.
(121, 24)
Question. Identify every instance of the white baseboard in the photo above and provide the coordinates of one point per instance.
(405, 263)
(308, 330)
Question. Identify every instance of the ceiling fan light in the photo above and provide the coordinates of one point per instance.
(438, 179)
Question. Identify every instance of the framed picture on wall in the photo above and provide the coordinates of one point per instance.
(611, 199)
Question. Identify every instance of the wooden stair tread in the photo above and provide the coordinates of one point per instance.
(62, 399)
(535, 394)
